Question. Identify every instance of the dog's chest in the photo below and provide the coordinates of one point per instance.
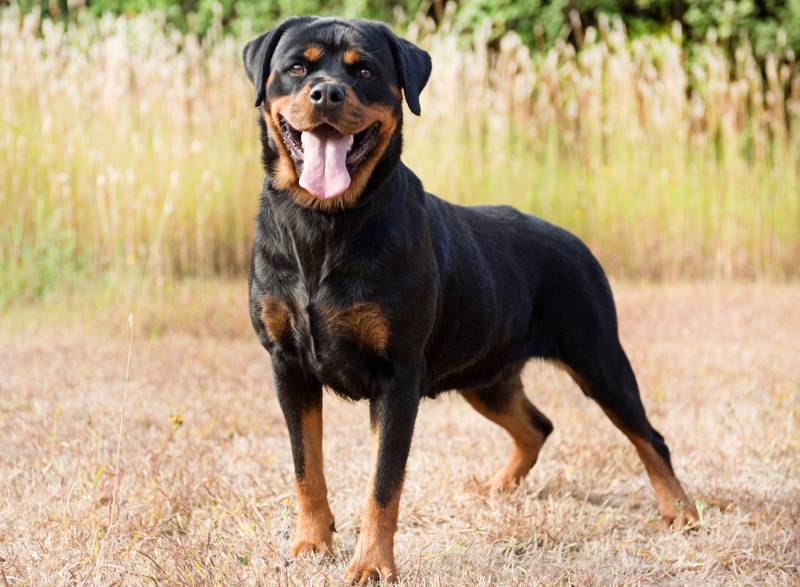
(333, 340)
(319, 324)
(323, 330)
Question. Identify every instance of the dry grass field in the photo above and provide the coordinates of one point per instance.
(204, 484)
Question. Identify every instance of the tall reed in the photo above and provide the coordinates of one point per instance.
(127, 146)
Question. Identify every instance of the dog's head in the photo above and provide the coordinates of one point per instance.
(330, 92)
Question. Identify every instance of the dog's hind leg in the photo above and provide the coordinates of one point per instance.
(603, 372)
(505, 404)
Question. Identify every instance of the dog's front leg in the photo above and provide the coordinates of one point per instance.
(300, 397)
(392, 416)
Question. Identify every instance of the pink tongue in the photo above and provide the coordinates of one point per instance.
(324, 169)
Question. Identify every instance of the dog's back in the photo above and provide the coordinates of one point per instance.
(502, 276)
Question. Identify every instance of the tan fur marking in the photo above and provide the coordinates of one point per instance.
(527, 440)
(365, 322)
(373, 557)
(314, 517)
(284, 174)
(354, 118)
(351, 57)
(313, 52)
(276, 318)
(675, 507)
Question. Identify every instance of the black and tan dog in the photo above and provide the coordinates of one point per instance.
(363, 283)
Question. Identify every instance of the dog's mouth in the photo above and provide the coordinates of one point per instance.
(326, 158)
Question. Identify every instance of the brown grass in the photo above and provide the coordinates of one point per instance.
(205, 488)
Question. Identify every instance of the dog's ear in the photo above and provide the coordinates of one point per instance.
(413, 68)
(257, 54)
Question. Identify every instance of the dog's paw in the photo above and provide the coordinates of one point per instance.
(361, 573)
(503, 482)
(684, 516)
(304, 545)
(313, 537)
(371, 564)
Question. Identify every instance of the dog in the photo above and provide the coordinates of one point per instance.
(363, 283)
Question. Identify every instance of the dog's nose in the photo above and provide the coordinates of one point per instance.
(327, 96)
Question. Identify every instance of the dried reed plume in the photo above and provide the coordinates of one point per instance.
(124, 145)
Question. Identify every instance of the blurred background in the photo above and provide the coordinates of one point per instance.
(665, 133)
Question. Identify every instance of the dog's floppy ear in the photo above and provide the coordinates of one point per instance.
(257, 54)
(413, 68)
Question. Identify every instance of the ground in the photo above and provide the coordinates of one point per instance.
(204, 485)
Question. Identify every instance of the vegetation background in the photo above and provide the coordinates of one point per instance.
(664, 133)
(538, 22)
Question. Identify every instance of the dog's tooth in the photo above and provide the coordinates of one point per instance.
(350, 142)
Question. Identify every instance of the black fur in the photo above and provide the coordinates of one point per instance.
(469, 293)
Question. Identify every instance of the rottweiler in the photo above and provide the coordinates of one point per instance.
(363, 283)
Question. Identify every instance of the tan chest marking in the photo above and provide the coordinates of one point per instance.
(276, 318)
(365, 322)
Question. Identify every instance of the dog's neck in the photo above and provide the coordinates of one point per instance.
(322, 243)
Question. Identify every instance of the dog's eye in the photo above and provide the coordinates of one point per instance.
(365, 73)
(297, 69)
